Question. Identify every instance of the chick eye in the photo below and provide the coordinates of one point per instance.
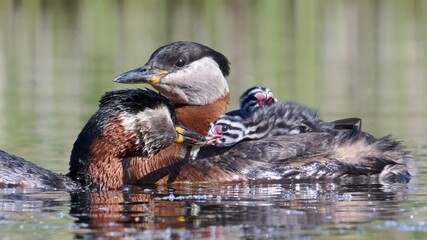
(224, 128)
(180, 63)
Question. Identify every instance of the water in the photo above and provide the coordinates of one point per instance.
(344, 58)
(303, 211)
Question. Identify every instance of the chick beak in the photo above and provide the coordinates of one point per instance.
(271, 100)
(185, 135)
(144, 74)
(212, 140)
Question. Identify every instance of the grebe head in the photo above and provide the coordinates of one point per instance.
(185, 72)
(226, 131)
(255, 97)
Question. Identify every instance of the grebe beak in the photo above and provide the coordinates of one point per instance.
(188, 136)
(144, 74)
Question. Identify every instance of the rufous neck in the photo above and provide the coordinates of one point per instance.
(198, 118)
(139, 170)
(105, 169)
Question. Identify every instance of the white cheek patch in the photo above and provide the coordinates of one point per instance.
(199, 83)
(143, 124)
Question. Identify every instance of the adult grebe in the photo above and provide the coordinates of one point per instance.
(193, 76)
(128, 123)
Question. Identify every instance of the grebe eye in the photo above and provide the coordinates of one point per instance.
(180, 63)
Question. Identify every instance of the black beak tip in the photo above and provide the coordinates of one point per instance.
(138, 75)
(127, 77)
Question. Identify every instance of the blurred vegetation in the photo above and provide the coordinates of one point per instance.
(346, 58)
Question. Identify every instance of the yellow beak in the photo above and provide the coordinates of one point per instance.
(144, 74)
(185, 135)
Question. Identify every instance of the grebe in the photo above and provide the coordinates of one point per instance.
(257, 96)
(193, 76)
(281, 118)
(252, 99)
(128, 123)
(259, 117)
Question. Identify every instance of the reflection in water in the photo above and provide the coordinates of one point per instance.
(219, 211)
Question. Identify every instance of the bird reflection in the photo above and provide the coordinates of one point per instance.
(215, 210)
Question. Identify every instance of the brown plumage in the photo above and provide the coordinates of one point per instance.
(309, 156)
(330, 154)
(199, 117)
(129, 123)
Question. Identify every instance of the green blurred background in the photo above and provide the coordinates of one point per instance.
(345, 58)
